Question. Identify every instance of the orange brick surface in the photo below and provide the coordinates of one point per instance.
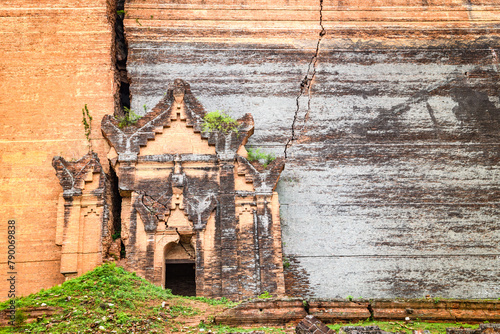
(55, 57)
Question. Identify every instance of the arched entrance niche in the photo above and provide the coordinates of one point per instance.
(179, 267)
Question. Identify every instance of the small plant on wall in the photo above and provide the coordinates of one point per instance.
(262, 157)
(130, 118)
(219, 121)
(265, 295)
(87, 124)
(286, 263)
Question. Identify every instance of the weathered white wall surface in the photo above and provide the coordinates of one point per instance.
(391, 188)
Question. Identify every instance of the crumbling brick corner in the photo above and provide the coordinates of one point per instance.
(83, 227)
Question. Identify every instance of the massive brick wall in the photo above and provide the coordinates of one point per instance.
(391, 185)
(55, 57)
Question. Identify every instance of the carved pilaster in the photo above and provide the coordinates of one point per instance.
(82, 213)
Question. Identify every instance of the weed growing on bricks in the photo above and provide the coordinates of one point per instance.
(219, 121)
(130, 118)
(87, 124)
(262, 157)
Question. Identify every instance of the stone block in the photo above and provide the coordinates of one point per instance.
(433, 310)
(335, 310)
(311, 325)
(263, 311)
(483, 329)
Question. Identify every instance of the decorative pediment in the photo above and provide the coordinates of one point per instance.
(264, 179)
(179, 104)
(153, 202)
(200, 199)
(72, 175)
(227, 144)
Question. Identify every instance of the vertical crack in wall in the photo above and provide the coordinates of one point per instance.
(119, 52)
(306, 83)
(192, 256)
(305, 303)
(370, 309)
(468, 6)
(113, 200)
(122, 99)
(116, 207)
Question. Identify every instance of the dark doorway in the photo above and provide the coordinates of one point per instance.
(180, 277)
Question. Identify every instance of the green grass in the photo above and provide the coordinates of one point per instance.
(128, 303)
(262, 157)
(221, 301)
(219, 121)
(119, 300)
(265, 295)
(401, 326)
(129, 118)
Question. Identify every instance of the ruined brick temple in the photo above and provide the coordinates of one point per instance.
(193, 208)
